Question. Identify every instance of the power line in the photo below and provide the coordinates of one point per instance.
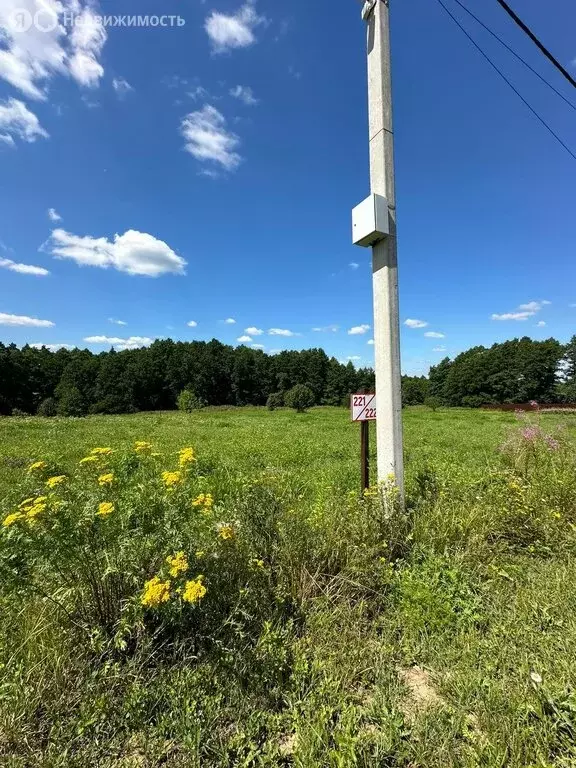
(507, 81)
(513, 52)
(537, 42)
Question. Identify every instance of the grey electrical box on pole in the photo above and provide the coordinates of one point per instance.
(376, 226)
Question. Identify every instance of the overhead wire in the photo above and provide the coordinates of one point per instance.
(514, 53)
(507, 80)
(525, 28)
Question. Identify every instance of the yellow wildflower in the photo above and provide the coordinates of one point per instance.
(89, 459)
(178, 563)
(105, 508)
(37, 466)
(225, 531)
(199, 554)
(186, 456)
(257, 563)
(106, 479)
(52, 482)
(155, 593)
(26, 503)
(205, 500)
(12, 518)
(142, 448)
(37, 509)
(171, 478)
(101, 451)
(194, 590)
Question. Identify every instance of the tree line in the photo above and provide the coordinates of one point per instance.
(514, 371)
(78, 382)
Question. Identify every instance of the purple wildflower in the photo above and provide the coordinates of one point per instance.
(552, 443)
(530, 433)
(533, 404)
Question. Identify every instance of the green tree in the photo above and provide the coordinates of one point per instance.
(299, 398)
(189, 401)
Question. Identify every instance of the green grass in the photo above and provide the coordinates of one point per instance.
(475, 585)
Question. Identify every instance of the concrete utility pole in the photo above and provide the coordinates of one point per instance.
(384, 246)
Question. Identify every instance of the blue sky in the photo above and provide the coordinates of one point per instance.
(206, 172)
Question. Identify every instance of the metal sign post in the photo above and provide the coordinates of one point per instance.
(363, 409)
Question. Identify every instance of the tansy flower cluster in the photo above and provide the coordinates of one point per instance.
(226, 531)
(155, 593)
(52, 482)
(105, 508)
(28, 510)
(194, 590)
(171, 479)
(106, 479)
(96, 456)
(38, 466)
(205, 500)
(142, 448)
(186, 457)
(178, 564)
(158, 590)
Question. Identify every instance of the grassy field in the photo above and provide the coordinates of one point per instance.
(333, 630)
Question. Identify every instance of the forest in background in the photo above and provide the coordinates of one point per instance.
(78, 382)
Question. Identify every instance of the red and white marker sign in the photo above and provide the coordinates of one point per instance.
(363, 407)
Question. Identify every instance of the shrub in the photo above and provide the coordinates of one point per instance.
(189, 401)
(275, 400)
(47, 407)
(299, 397)
(433, 403)
(18, 413)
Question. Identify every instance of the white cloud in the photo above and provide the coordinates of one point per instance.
(359, 329)
(53, 215)
(370, 341)
(281, 332)
(327, 328)
(198, 92)
(439, 349)
(353, 357)
(136, 253)
(132, 342)
(208, 140)
(257, 346)
(275, 351)
(23, 320)
(116, 322)
(8, 140)
(524, 311)
(252, 331)
(541, 324)
(233, 31)
(533, 306)
(17, 121)
(33, 53)
(434, 335)
(121, 86)
(23, 269)
(353, 265)
(52, 347)
(244, 339)
(192, 323)
(230, 321)
(415, 323)
(87, 40)
(513, 316)
(245, 94)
